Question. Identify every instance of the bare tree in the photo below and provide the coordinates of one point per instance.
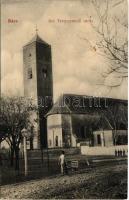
(15, 115)
(113, 40)
(116, 115)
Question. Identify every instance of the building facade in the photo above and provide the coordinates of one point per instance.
(73, 118)
(76, 119)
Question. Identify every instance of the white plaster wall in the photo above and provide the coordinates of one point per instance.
(54, 128)
(73, 138)
(85, 150)
(106, 137)
(74, 143)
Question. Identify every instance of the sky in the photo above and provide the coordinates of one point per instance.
(77, 67)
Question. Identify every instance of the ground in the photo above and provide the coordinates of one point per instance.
(104, 181)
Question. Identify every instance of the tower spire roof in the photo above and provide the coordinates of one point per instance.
(37, 38)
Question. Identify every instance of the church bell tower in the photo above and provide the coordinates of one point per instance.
(38, 84)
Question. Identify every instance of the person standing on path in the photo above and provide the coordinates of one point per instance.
(62, 163)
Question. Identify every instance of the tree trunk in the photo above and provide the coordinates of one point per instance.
(16, 158)
(12, 157)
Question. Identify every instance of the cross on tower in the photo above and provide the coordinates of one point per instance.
(36, 30)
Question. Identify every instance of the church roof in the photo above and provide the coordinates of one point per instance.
(82, 104)
(103, 123)
(37, 38)
(60, 107)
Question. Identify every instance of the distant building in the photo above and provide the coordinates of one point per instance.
(96, 121)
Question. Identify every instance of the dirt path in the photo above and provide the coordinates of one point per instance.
(103, 182)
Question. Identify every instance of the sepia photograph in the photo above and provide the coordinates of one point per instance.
(64, 99)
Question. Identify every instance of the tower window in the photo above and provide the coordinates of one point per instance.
(44, 71)
(30, 55)
(29, 73)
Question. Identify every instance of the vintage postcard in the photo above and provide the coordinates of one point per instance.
(64, 99)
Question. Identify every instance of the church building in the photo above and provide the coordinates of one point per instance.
(95, 121)
(73, 119)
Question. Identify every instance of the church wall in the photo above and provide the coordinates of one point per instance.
(68, 138)
(60, 126)
(80, 126)
(108, 137)
(74, 142)
(54, 131)
(103, 138)
(97, 151)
